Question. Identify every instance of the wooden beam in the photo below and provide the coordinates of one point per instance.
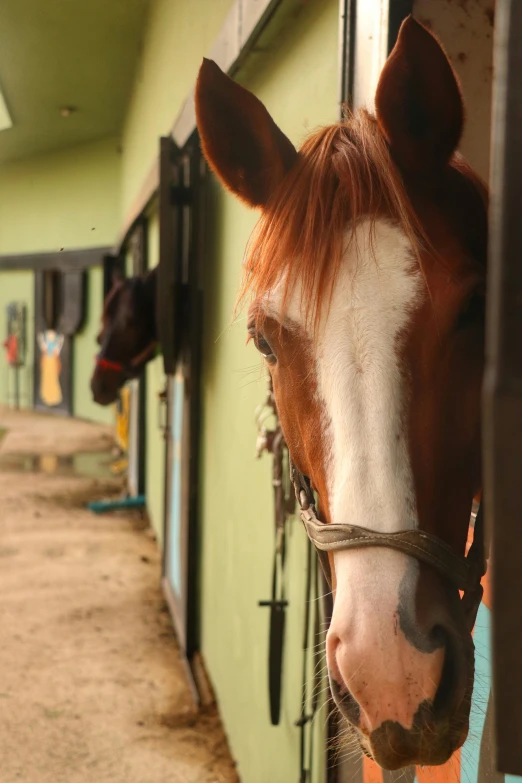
(66, 259)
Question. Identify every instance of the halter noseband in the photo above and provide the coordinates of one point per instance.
(464, 572)
(131, 368)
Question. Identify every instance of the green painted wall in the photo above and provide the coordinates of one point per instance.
(17, 287)
(178, 34)
(155, 453)
(68, 199)
(297, 80)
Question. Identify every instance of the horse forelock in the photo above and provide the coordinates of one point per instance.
(344, 173)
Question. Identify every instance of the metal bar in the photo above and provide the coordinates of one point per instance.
(371, 50)
(169, 261)
(347, 9)
(139, 254)
(398, 11)
(377, 24)
(503, 385)
(17, 386)
(195, 261)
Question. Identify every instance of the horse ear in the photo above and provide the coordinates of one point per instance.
(418, 101)
(117, 276)
(240, 140)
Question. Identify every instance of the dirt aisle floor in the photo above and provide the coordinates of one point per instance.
(92, 688)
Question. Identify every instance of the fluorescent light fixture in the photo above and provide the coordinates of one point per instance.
(5, 118)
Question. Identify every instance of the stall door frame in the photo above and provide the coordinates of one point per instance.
(137, 244)
(502, 451)
(179, 326)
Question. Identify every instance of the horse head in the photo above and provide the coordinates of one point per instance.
(128, 336)
(366, 274)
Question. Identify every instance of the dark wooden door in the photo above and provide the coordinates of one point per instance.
(138, 247)
(179, 324)
(60, 299)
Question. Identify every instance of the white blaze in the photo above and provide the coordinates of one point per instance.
(363, 392)
(361, 382)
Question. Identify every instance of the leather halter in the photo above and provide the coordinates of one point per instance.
(464, 572)
(131, 368)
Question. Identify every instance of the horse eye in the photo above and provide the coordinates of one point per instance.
(473, 313)
(264, 347)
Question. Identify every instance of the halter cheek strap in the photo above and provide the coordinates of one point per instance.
(464, 572)
(106, 364)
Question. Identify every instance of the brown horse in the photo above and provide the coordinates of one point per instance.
(367, 276)
(128, 337)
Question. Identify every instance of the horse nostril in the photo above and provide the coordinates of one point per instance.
(452, 686)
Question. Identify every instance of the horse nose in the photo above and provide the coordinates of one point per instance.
(102, 392)
(394, 647)
(394, 747)
(438, 726)
(97, 386)
(378, 681)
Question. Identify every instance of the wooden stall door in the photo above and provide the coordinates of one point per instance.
(60, 299)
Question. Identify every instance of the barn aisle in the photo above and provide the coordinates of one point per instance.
(91, 685)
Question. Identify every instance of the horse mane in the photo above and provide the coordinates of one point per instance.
(343, 172)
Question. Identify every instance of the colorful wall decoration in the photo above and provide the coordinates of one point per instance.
(59, 306)
(15, 342)
(52, 372)
(50, 344)
(15, 345)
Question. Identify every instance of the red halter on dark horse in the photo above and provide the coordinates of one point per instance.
(367, 276)
(128, 337)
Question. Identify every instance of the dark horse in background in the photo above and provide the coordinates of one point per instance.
(128, 338)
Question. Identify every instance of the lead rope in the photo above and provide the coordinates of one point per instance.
(304, 718)
(272, 441)
(316, 663)
(310, 702)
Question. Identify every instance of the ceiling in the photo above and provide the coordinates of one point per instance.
(63, 53)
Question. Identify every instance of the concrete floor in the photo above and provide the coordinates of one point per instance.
(92, 688)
